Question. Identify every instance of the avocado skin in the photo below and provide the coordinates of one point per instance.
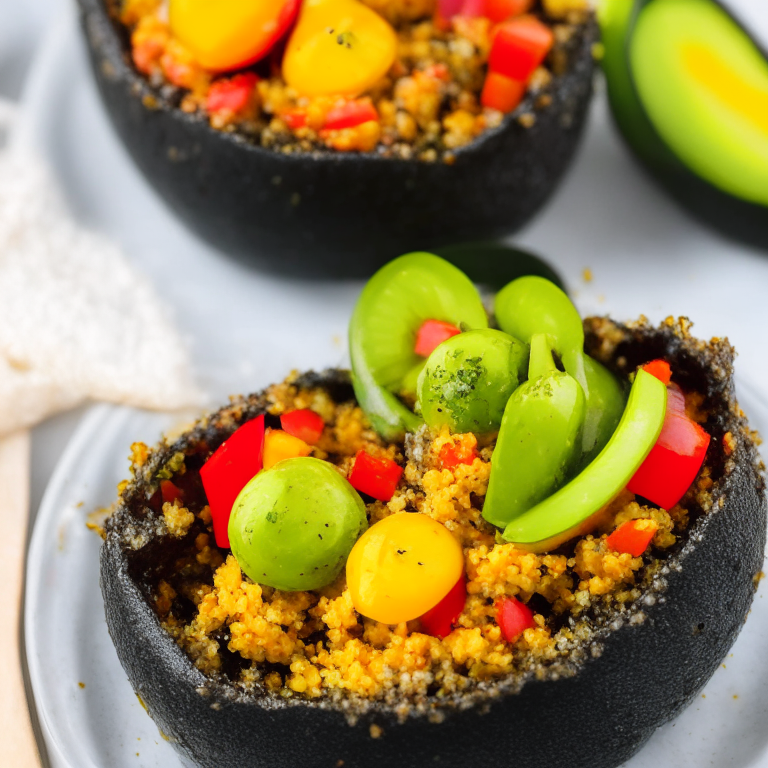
(738, 219)
(332, 214)
(630, 677)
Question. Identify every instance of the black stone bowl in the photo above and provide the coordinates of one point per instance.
(626, 673)
(328, 213)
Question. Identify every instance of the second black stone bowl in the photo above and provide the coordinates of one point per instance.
(328, 213)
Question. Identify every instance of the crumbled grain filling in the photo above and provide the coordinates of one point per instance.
(312, 643)
(428, 103)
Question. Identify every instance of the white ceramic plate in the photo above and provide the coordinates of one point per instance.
(92, 719)
(246, 330)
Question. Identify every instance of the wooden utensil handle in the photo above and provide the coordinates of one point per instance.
(18, 747)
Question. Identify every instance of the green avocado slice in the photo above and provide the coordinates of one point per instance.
(382, 332)
(574, 510)
(539, 440)
(704, 85)
(688, 88)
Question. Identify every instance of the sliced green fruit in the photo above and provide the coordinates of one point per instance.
(605, 404)
(575, 509)
(688, 88)
(382, 332)
(532, 305)
(539, 441)
(293, 526)
(469, 378)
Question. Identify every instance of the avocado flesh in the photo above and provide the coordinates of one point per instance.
(704, 85)
(572, 510)
(734, 216)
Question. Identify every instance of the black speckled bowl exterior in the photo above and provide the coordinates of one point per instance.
(631, 672)
(334, 214)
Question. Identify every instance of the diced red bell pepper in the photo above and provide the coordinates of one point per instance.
(231, 94)
(519, 46)
(675, 459)
(228, 471)
(169, 492)
(447, 9)
(296, 118)
(632, 537)
(304, 424)
(473, 8)
(431, 334)
(501, 10)
(660, 369)
(513, 617)
(375, 477)
(453, 454)
(502, 93)
(348, 114)
(439, 621)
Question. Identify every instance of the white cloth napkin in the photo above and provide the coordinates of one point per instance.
(76, 319)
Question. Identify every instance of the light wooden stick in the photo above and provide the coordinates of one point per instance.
(17, 741)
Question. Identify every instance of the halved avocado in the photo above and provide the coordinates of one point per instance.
(688, 87)
(623, 676)
(330, 213)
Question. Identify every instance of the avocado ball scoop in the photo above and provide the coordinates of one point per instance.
(469, 378)
(293, 526)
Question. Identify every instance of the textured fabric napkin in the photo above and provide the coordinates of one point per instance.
(76, 320)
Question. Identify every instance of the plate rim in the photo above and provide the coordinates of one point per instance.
(98, 415)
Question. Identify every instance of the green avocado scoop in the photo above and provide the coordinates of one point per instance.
(382, 332)
(469, 378)
(574, 509)
(293, 526)
(540, 438)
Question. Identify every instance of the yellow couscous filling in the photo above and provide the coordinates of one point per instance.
(313, 642)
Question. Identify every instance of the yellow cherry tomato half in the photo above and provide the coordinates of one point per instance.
(229, 34)
(339, 47)
(402, 566)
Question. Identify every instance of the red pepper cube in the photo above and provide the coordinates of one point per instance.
(501, 10)
(375, 477)
(632, 537)
(453, 454)
(304, 424)
(348, 114)
(674, 461)
(660, 369)
(513, 617)
(295, 119)
(439, 621)
(473, 8)
(232, 94)
(228, 471)
(169, 492)
(502, 93)
(446, 10)
(519, 46)
(431, 334)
